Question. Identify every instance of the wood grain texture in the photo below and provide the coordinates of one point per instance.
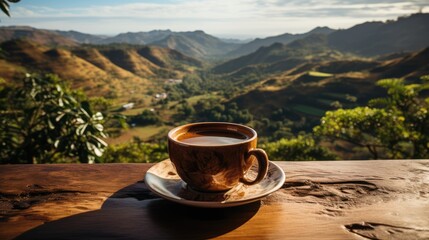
(319, 200)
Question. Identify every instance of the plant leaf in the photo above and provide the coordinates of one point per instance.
(4, 6)
(98, 116)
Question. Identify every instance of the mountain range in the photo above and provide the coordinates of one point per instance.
(368, 39)
(273, 66)
(39, 36)
(196, 44)
(280, 57)
(377, 38)
(283, 38)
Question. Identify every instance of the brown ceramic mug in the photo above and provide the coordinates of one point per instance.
(215, 156)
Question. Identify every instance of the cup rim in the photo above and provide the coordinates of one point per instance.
(174, 130)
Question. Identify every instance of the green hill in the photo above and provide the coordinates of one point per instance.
(409, 33)
(141, 38)
(285, 38)
(311, 48)
(304, 94)
(196, 44)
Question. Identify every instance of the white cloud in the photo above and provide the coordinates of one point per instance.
(221, 9)
(246, 17)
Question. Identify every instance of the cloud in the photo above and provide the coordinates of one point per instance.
(221, 9)
(227, 16)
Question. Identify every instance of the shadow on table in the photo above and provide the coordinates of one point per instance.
(134, 213)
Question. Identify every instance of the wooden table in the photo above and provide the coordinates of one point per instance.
(320, 200)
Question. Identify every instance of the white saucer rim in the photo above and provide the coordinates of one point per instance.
(218, 204)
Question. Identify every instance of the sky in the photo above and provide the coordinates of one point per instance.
(241, 19)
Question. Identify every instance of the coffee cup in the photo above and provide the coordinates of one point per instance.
(215, 156)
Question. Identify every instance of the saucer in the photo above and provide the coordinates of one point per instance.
(162, 179)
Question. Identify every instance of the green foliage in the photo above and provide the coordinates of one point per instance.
(42, 122)
(213, 110)
(359, 126)
(273, 129)
(192, 85)
(284, 122)
(147, 117)
(165, 73)
(413, 110)
(397, 124)
(308, 110)
(135, 152)
(198, 84)
(303, 147)
(184, 112)
(100, 104)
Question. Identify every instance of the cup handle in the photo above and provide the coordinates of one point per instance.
(262, 158)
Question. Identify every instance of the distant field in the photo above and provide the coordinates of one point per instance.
(134, 111)
(319, 74)
(193, 100)
(144, 133)
(309, 110)
(326, 102)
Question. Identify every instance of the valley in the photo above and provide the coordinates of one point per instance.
(282, 85)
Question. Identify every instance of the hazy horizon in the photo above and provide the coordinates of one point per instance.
(237, 19)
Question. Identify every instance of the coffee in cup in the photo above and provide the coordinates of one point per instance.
(215, 156)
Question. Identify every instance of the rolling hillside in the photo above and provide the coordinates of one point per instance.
(311, 48)
(100, 71)
(81, 37)
(142, 38)
(412, 65)
(43, 37)
(306, 92)
(369, 39)
(196, 44)
(377, 38)
(283, 38)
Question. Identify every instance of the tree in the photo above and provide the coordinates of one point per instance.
(406, 104)
(303, 147)
(184, 111)
(397, 124)
(41, 122)
(212, 110)
(135, 152)
(361, 126)
(147, 117)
